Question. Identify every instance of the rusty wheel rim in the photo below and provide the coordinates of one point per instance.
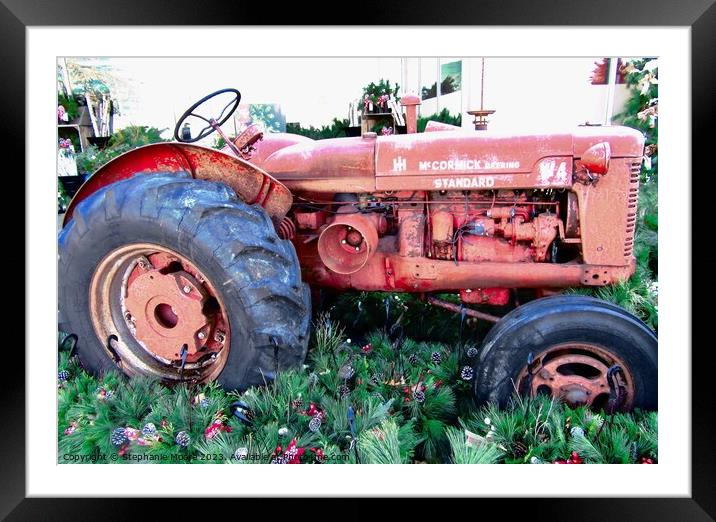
(576, 373)
(147, 302)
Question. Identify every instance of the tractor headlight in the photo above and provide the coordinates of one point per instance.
(596, 158)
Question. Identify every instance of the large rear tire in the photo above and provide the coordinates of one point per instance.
(574, 341)
(170, 258)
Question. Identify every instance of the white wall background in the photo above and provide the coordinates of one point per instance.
(527, 93)
(540, 93)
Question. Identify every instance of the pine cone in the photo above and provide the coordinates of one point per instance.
(467, 373)
(182, 439)
(346, 372)
(149, 429)
(519, 449)
(63, 375)
(343, 391)
(118, 436)
(436, 357)
(419, 396)
(315, 424)
(472, 352)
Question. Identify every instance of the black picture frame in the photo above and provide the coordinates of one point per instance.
(699, 15)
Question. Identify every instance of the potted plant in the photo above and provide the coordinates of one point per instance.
(376, 97)
(67, 108)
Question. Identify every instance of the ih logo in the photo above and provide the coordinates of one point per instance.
(400, 164)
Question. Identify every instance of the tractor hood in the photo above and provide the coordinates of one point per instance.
(488, 152)
(333, 165)
(624, 142)
(485, 160)
(449, 159)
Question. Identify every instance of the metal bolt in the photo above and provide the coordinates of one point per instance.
(219, 337)
(186, 289)
(343, 241)
(201, 335)
(144, 263)
(357, 249)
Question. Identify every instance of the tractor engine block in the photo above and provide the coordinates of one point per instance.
(502, 227)
(357, 237)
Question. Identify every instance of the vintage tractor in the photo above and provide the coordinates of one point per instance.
(189, 263)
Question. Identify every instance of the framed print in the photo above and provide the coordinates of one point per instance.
(439, 246)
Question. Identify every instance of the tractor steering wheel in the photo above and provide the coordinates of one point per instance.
(213, 123)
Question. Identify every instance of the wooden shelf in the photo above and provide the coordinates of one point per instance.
(370, 119)
(82, 125)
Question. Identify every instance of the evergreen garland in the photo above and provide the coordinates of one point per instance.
(409, 413)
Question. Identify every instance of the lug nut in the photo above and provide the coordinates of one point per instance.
(201, 335)
(186, 289)
(219, 337)
(357, 249)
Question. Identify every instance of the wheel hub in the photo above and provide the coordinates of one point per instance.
(576, 374)
(166, 312)
(153, 301)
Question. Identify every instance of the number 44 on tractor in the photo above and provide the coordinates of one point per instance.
(183, 262)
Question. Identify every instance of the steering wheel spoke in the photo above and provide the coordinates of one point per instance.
(201, 118)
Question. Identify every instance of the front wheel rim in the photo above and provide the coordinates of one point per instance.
(147, 302)
(577, 374)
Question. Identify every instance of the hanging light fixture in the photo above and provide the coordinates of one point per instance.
(481, 115)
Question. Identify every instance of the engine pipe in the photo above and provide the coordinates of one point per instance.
(458, 309)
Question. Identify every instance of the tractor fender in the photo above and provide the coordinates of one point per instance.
(250, 183)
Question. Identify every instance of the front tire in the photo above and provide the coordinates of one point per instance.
(214, 277)
(574, 341)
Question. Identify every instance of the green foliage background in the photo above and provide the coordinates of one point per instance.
(120, 142)
(70, 104)
(443, 116)
(335, 130)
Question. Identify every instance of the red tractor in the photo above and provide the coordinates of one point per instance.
(188, 263)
